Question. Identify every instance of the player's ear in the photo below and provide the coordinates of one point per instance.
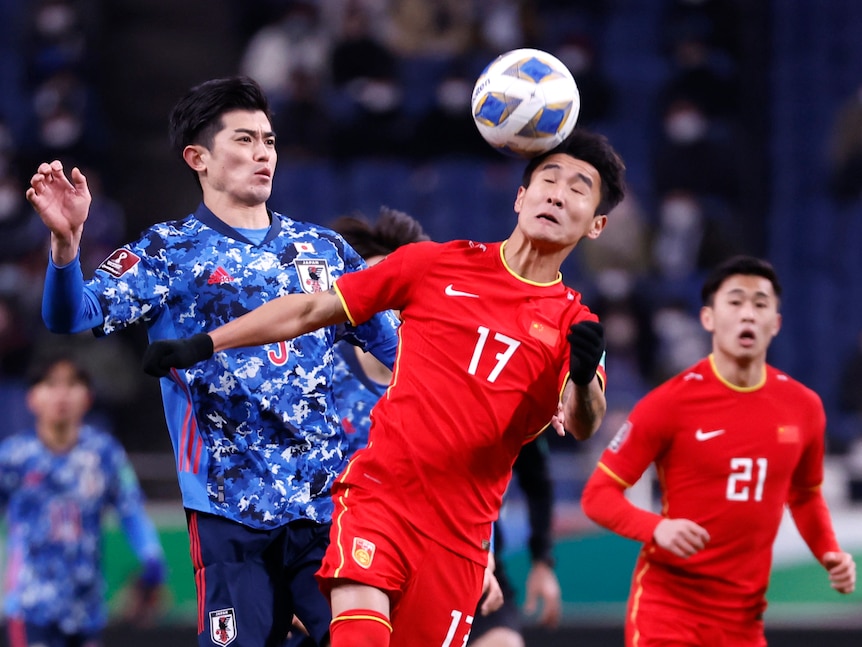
(707, 319)
(597, 226)
(193, 156)
(519, 198)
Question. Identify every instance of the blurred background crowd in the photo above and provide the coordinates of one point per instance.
(740, 122)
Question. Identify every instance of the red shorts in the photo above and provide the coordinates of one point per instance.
(433, 591)
(656, 625)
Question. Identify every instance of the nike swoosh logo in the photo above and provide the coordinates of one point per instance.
(452, 292)
(700, 434)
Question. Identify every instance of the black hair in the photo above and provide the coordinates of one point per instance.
(45, 362)
(196, 118)
(738, 265)
(595, 149)
(391, 230)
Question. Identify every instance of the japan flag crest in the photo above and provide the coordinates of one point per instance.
(313, 275)
(223, 626)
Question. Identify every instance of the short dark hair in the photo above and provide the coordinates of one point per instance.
(44, 362)
(391, 230)
(196, 118)
(738, 266)
(595, 149)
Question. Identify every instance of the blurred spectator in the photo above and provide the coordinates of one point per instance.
(845, 150)
(693, 154)
(578, 52)
(714, 22)
(448, 128)
(367, 101)
(688, 239)
(699, 76)
(431, 28)
(290, 50)
(680, 339)
(847, 430)
(106, 223)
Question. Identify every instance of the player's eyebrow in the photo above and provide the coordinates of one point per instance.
(253, 133)
(553, 166)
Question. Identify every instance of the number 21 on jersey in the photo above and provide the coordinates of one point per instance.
(746, 479)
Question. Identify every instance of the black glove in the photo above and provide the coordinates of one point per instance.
(165, 354)
(586, 344)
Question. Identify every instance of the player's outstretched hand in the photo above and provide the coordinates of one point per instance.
(842, 571)
(587, 345)
(62, 204)
(163, 355)
(682, 537)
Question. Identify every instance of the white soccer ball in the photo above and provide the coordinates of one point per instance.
(525, 102)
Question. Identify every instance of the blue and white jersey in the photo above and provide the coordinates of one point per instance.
(55, 504)
(356, 394)
(255, 431)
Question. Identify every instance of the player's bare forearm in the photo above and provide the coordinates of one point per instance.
(280, 319)
(584, 408)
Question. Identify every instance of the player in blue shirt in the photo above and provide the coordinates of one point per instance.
(57, 482)
(256, 434)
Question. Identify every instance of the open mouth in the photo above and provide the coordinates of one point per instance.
(548, 217)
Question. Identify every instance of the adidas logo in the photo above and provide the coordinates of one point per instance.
(219, 276)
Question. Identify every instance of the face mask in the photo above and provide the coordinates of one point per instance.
(685, 126)
(10, 203)
(679, 213)
(61, 131)
(453, 95)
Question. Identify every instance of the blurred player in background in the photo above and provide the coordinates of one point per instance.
(491, 341)
(58, 481)
(256, 433)
(502, 627)
(734, 440)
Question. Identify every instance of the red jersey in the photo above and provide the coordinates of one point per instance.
(729, 459)
(481, 362)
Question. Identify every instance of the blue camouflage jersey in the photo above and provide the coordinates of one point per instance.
(55, 504)
(356, 394)
(255, 431)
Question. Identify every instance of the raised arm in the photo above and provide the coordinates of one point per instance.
(280, 319)
(63, 206)
(584, 403)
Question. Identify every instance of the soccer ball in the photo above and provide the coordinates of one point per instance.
(525, 102)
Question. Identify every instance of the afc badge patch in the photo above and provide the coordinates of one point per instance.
(223, 626)
(363, 551)
(119, 262)
(313, 275)
(620, 437)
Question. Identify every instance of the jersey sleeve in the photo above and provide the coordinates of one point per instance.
(637, 444)
(129, 502)
(67, 305)
(384, 286)
(806, 501)
(640, 440)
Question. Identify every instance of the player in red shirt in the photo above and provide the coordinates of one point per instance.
(733, 440)
(491, 341)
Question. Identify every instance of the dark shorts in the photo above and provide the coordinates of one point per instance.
(251, 582)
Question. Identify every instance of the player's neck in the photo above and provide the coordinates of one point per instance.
(59, 438)
(531, 263)
(739, 372)
(238, 216)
